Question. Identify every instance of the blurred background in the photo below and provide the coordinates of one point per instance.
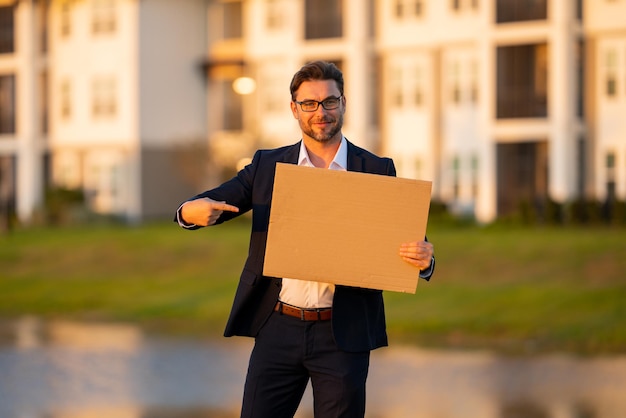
(503, 104)
(112, 112)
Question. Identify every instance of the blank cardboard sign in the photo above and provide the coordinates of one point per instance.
(345, 227)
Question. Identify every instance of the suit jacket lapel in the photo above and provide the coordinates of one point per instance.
(355, 159)
(292, 153)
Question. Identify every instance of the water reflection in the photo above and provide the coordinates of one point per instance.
(71, 370)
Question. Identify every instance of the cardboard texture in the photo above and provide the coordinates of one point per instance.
(345, 227)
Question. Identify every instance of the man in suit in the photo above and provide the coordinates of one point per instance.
(303, 330)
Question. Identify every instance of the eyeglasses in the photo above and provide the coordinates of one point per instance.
(312, 105)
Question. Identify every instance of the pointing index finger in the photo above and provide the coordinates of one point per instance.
(225, 206)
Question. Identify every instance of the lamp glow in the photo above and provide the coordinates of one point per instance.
(244, 85)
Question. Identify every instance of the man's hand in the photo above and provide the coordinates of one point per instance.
(205, 211)
(418, 253)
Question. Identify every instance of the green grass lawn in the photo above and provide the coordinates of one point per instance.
(511, 289)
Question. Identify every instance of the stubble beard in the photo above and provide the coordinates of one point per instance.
(324, 136)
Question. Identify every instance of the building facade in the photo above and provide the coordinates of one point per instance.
(105, 96)
(501, 103)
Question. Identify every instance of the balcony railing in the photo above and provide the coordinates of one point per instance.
(521, 10)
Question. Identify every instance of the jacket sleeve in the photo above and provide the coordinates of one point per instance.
(237, 191)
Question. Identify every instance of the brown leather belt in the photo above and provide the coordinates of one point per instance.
(313, 314)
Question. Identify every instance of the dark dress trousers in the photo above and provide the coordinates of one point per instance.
(358, 320)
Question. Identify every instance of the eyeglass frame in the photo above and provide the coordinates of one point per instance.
(320, 103)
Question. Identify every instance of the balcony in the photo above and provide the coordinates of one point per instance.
(508, 11)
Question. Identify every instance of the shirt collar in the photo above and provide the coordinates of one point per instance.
(340, 162)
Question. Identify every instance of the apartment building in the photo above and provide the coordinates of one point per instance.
(106, 96)
(484, 98)
(499, 102)
(495, 88)
(126, 91)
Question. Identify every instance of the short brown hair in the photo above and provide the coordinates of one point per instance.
(316, 70)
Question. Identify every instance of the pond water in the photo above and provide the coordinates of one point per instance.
(74, 370)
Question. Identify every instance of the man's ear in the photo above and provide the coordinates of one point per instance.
(294, 109)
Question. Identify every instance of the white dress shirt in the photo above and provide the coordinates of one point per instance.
(303, 293)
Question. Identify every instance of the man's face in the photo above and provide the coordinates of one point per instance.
(320, 125)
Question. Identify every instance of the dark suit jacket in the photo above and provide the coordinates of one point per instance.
(358, 314)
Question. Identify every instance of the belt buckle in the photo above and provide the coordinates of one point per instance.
(319, 314)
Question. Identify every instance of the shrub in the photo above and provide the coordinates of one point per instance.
(61, 204)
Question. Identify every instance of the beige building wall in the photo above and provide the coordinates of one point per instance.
(126, 83)
(605, 32)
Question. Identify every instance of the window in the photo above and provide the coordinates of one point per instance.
(407, 8)
(580, 78)
(610, 163)
(462, 80)
(399, 9)
(521, 174)
(611, 73)
(375, 71)
(610, 175)
(418, 167)
(42, 25)
(7, 104)
(611, 85)
(104, 103)
(459, 5)
(417, 83)
(323, 19)
(274, 18)
(8, 186)
(473, 87)
(43, 101)
(474, 166)
(418, 8)
(581, 159)
(522, 81)
(456, 177)
(66, 19)
(66, 100)
(103, 16)
(7, 30)
(455, 82)
(521, 10)
(407, 86)
(233, 25)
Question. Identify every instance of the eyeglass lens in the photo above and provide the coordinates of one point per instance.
(312, 105)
